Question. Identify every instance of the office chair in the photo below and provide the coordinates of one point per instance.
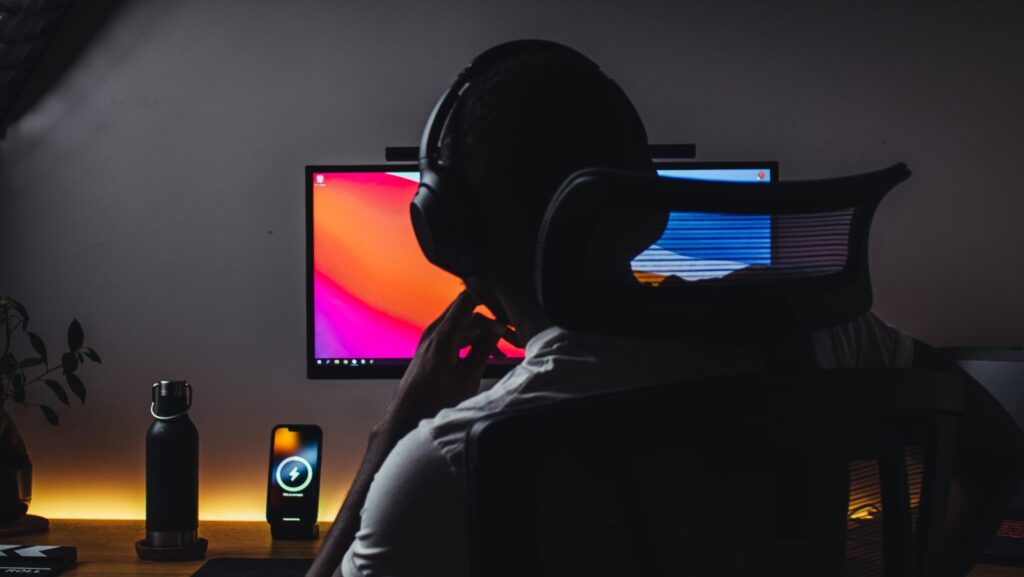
(738, 475)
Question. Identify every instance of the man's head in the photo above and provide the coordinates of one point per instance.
(519, 128)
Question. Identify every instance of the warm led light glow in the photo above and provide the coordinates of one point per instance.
(69, 498)
(862, 515)
(863, 507)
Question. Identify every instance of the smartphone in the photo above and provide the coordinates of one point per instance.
(293, 490)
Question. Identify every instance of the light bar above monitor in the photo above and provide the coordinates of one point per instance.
(657, 152)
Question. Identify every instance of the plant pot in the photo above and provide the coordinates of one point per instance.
(15, 472)
(15, 493)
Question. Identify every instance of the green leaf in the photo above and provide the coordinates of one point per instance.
(76, 385)
(93, 355)
(57, 390)
(50, 415)
(18, 385)
(38, 346)
(76, 336)
(69, 362)
(21, 312)
(8, 365)
(30, 362)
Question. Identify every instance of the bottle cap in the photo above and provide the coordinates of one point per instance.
(170, 399)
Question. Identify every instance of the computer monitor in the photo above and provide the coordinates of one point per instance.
(370, 292)
(1001, 372)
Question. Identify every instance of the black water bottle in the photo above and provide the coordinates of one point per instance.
(172, 473)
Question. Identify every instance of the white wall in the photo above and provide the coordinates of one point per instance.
(155, 193)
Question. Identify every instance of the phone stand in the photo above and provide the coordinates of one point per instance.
(295, 532)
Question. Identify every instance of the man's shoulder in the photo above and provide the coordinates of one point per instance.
(447, 430)
(548, 372)
(864, 342)
(562, 364)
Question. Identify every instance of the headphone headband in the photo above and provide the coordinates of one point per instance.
(486, 60)
(446, 230)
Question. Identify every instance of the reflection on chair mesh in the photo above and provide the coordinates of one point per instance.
(702, 525)
(864, 526)
(715, 247)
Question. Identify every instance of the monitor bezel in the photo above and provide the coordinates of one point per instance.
(368, 372)
(1001, 354)
(772, 165)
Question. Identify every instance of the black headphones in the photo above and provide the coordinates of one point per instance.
(447, 230)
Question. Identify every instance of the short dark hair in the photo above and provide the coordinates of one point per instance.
(524, 126)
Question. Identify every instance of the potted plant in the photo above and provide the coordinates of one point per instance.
(17, 373)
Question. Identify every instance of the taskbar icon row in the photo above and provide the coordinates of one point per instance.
(344, 362)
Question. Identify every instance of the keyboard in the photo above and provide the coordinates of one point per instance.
(1011, 529)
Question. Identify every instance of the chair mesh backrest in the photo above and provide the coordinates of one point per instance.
(717, 524)
(721, 524)
(740, 481)
(655, 256)
(866, 514)
(733, 476)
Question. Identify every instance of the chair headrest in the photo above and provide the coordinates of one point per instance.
(640, 255)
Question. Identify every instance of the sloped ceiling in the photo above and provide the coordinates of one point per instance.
(39, 41)
(26, 28)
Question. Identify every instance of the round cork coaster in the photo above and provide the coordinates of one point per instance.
(196, 550)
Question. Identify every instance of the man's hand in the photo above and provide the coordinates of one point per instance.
(438, 377)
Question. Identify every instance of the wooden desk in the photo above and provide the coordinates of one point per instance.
(108, 547)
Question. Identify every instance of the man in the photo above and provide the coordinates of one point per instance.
(519, 128)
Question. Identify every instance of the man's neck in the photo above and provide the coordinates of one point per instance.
(526, 315)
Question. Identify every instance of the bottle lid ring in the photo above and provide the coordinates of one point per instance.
(188, 403)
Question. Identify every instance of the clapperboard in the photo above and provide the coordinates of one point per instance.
(36, 559)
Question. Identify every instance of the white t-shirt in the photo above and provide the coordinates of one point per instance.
(414, 520)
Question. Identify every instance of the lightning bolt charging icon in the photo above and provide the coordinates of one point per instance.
(288, 472)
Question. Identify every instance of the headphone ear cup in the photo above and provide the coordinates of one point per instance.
(449, 231)
(444, 233)
(418, 211)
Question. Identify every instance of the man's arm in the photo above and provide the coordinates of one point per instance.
(436, 378)
(383, 438)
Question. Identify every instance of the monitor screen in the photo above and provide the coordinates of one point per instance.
(371, 292)
(1001, 372)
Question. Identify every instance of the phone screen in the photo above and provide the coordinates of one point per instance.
(293, 492)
